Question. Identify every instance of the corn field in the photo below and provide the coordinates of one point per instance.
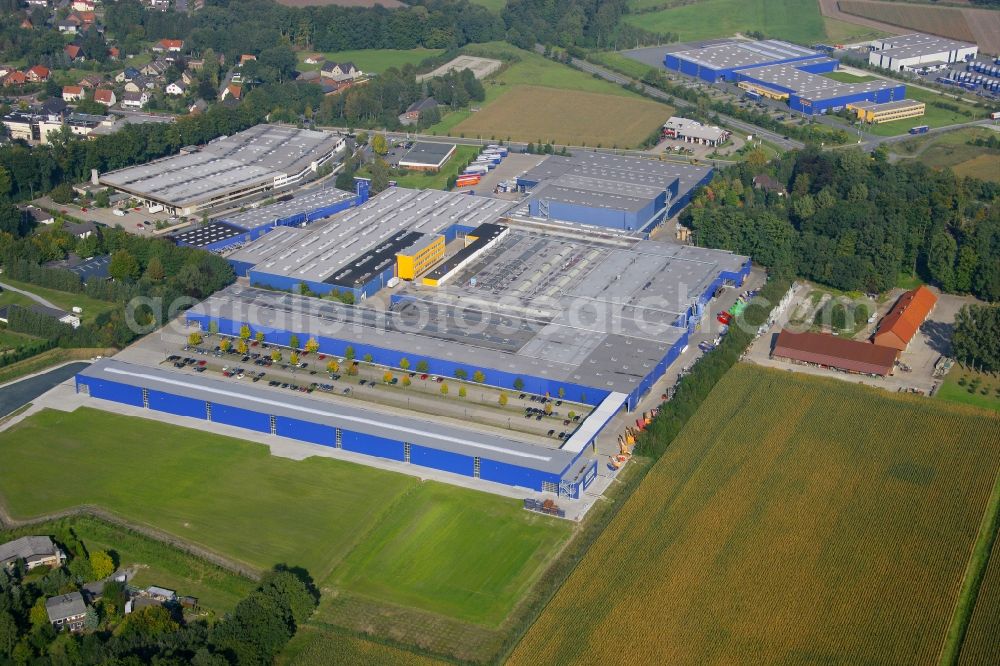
(795, 519)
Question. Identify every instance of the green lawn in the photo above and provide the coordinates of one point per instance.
(792, 20)
(492, 5)
(156, 563)
(61, 299)
(12, 340)
(434, 181)
(842, 32)
(847, 77)
(373, 60)
(234, 498)
(530, 69)
(414, 555)
(952, 150)
(952, 391)
(312, 646)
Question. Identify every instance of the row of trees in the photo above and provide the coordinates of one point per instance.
(975, 341)
(574, 23)
(251, 26)
(857, 223)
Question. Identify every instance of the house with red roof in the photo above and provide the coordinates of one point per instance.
(72, 93)
(169, 45)
(15, 78)
(898, 327)
(37, 74)
(105, 96)
(73, 52)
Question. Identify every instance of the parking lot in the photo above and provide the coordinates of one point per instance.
(138, 221)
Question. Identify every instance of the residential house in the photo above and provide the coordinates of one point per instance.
(127, 74)
(139, 84)
(314, 59)
(72, 93)
(86, 19)
(38, 3)
(26, 24)
(38, 215)
(135, 100)
(59, 315)
(36, 551)
(160, 5)
(91, 81)
(155, 68)
(169, 46)
(21, 126)
(84, 5)
(67, 611)
(341, 71)
(232, 91)
(414, 111)
(54, 107)
(105, 96)
(5, 70)
(247, 57)
(68, 27)
(114, 53)
(195, 64)
(15, 78)
(187, 76)
(177, 88)
(80, 230)
(38, 74)
(73, 52)
(769, 184)
(198, 106)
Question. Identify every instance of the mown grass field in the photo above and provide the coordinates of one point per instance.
(795, 519)
(532, 117)
(323, 647)
(235, 499)
(952, 150)
(492, 5)
(793, 20)
(961, 386)
(61, 299)
(372, 60)
(533, 113)
(156, 563)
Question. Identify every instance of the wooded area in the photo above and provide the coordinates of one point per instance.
(855, 222)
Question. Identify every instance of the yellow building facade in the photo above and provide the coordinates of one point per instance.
(870, 112)
(419, 258)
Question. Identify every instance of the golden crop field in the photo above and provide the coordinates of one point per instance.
(575, 117)
(982, 640)
(795, 520)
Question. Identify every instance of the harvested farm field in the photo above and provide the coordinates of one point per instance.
(981, 26)
(536, 113)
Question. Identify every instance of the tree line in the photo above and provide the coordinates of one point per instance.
(155, 269)
(975, 341)
(579, 23)
(252, 634)
(855, 222)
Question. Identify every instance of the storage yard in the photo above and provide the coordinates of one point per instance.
(252, 162)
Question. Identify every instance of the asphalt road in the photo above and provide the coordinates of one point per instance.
(21, 393)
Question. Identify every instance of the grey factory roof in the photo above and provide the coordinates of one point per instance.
(65, 606)
(426, 153)
(887, 106)
(303, 202)
(204, 235)
(328, 247)
(411, 428)
(808, 85)
(618, 170)
(557, 191)
(254, 156)
(26, 548)
(737, 54)
(564, 309)
(915, 45)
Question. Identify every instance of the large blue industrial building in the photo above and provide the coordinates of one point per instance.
(609, 191)
(414, 440)
(781, 71)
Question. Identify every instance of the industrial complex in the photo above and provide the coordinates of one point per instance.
(914, 51)
(483, 290)
(781, 71)
(255, 161)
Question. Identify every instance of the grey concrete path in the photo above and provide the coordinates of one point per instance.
(35, 297)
